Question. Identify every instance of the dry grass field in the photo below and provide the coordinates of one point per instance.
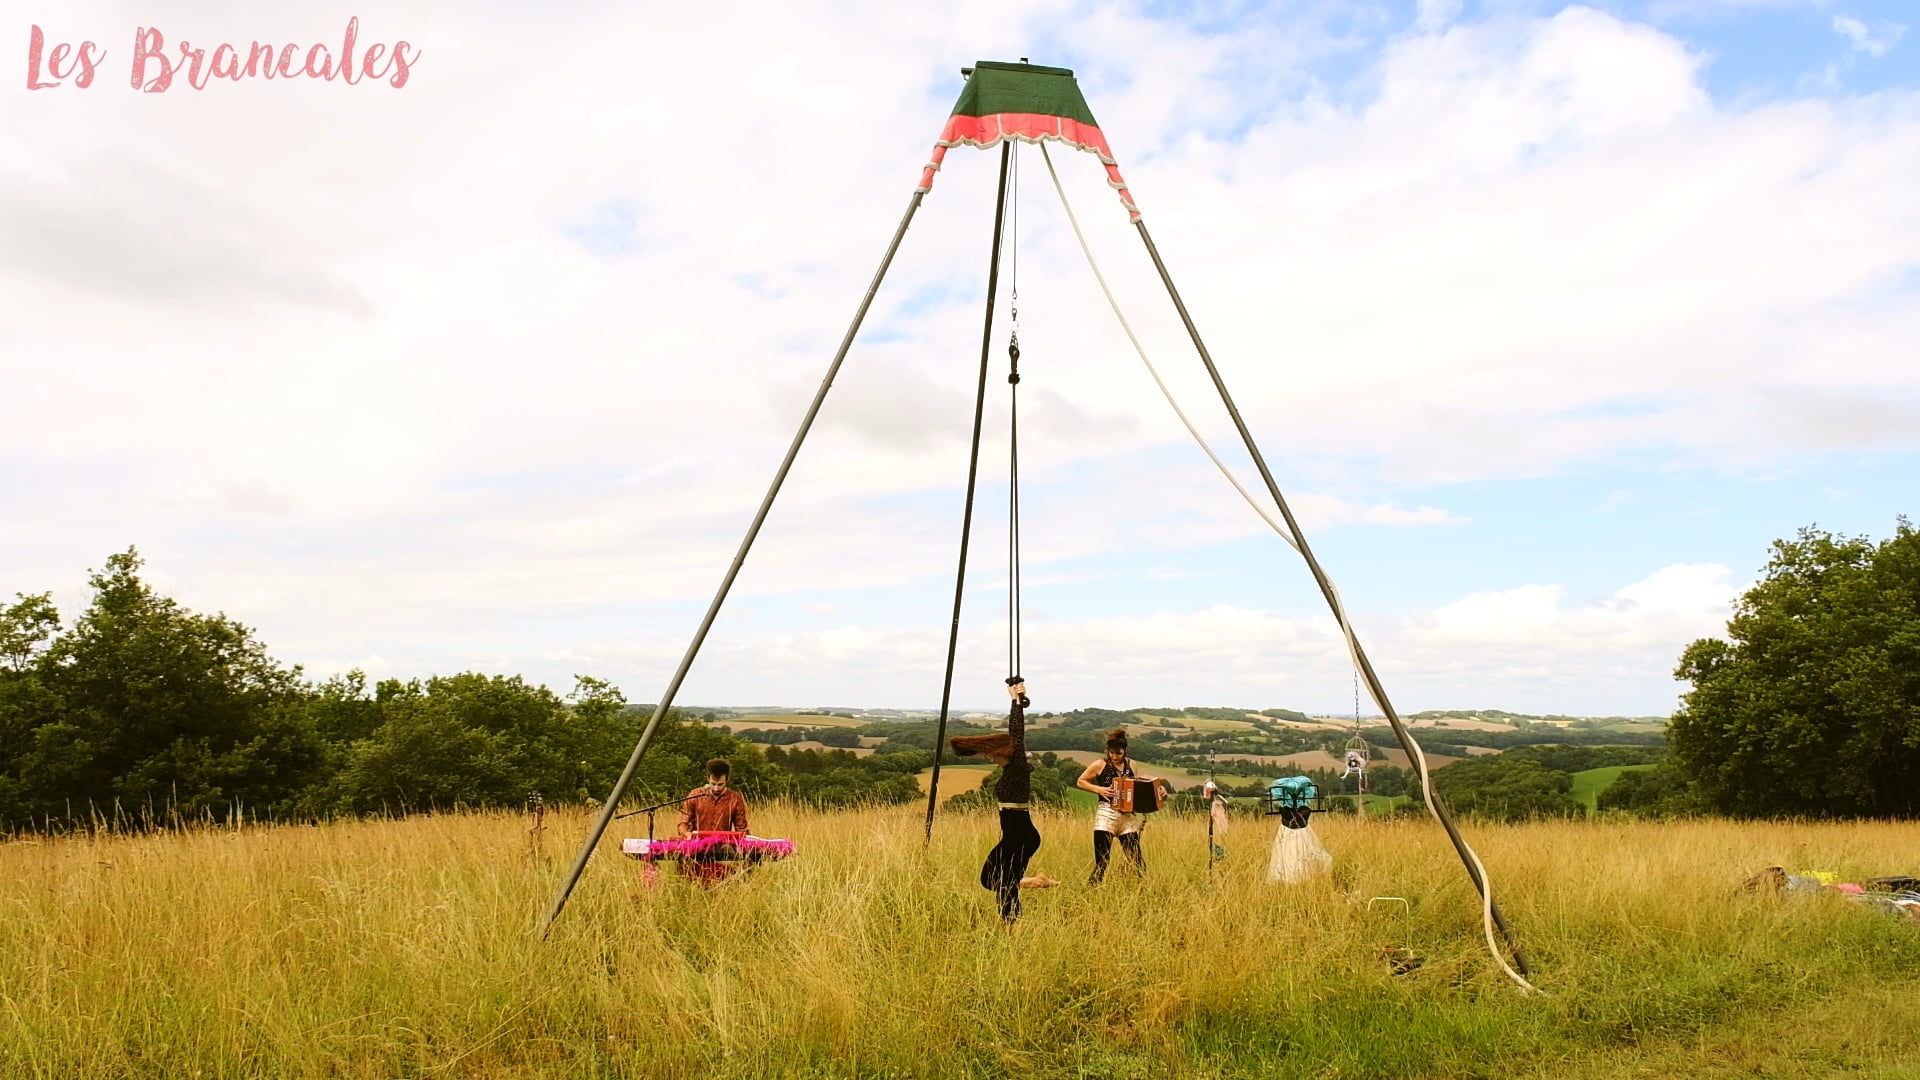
(408, 949)
(955, 779)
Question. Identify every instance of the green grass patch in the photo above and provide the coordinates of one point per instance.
(1588, 784)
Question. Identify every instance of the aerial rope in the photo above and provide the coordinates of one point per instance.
(1290, 534)
(1013, 425)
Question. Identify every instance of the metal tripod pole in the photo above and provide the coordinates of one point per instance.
(1326, 589)
(733, 571)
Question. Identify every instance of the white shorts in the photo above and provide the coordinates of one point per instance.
(1108, 820)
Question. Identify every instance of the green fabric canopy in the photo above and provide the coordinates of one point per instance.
(1030, 103)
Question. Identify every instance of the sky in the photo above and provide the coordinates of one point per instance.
(1549, 320)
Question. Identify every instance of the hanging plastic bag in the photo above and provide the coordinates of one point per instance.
(1297, 857)
(1217, 812)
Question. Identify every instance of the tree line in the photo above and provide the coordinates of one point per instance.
(145, 711)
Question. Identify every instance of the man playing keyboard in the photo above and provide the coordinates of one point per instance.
(714, 807)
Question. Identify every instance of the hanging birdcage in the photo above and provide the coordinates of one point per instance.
(1357, 755)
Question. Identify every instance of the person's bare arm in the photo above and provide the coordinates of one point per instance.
(1085, 783)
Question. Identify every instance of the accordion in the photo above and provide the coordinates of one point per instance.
(1132, 795)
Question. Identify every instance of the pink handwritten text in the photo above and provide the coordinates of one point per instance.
(155, 66)
(57, 67)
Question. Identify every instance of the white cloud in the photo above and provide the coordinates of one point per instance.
(1432, 15)
(1529, 645)
(1669, 9)
(1874, 41)
(330, 355)
(1670, 608)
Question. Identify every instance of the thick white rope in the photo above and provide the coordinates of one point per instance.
(1339, 609)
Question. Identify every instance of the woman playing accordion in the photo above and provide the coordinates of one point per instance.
(1113, 780)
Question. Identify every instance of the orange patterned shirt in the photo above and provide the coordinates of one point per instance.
(711, 809)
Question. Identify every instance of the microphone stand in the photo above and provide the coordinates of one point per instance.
(708, 792)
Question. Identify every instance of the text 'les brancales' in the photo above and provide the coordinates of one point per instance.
(154, 66)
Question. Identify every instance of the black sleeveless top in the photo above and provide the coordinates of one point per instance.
(1016, 776)
(1108, 774)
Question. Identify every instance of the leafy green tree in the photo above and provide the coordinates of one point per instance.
(1811, 706)
(1507, 788)
(25, 629)
(156, 709)
(1053, 777)
(26, 703)
(840, 778)
(677, 758)
(1573, 759)
(478, 740)
(341, 708)
(843, 738)
(430, 751)
(1390, 780)
(1663, 791)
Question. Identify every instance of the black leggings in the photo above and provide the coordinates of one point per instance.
(1103, 853)
(1007, 863)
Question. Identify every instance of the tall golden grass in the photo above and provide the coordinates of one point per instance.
(409, 949)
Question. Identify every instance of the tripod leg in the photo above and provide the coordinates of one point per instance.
(733, 571)
(1326, 589)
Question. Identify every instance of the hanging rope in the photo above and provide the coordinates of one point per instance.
(1286, 534)
(1013, 423)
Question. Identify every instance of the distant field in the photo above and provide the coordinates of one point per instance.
(813, 744)
(1316, 724)
(784, 720)
(1197, 723)
(1588, 785)
(1320, 759)
(955, 779)
(1461, 725)
(1181, 777)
